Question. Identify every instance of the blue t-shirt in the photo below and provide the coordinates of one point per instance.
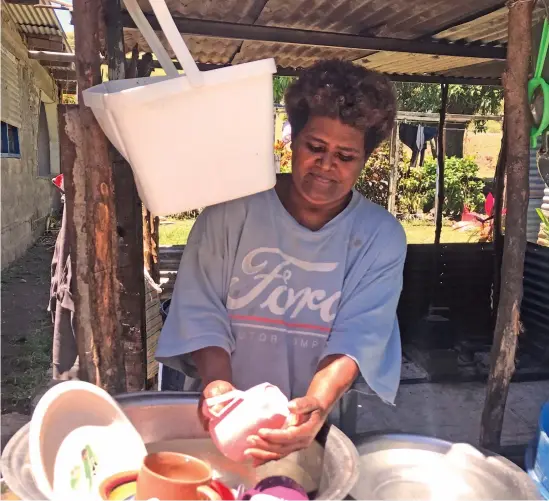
(279, 297)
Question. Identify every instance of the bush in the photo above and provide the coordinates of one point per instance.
(412, 192)
(417, 189)
(182, 216)
(373, 181)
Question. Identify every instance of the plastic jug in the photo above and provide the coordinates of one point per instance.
(263, 406)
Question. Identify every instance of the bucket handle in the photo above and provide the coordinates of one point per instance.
(173, 36)
(155, 44)
(179, 46)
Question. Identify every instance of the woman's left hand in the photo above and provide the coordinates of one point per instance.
(306, 419)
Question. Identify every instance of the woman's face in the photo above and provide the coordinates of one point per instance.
(327, 157)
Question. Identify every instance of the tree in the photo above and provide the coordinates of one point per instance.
(280, 84)
(70, 39)
(462, 99)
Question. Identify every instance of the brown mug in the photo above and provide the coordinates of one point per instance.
(170, 475)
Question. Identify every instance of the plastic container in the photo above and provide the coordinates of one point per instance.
(192, 140)
(245, 413)
(537, 454)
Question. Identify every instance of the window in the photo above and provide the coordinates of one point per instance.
(10, 140)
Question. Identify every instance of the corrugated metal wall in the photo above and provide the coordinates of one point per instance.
(536, 194)
(535, 303)
(464, 287)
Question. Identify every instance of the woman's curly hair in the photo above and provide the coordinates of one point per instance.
(361, 98)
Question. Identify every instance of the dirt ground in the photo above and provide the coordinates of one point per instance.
(26, 326)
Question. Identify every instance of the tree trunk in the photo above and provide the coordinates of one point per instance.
(455, 133)
(91, 217)
(517, 124)
(129, 271)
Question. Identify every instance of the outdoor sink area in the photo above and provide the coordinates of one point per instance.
(167, 422)
(379, 467)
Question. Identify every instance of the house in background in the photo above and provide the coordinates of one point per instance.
(30, 140)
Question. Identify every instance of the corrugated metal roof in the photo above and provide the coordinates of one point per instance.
(38, 21)
(403, 62)
(35, 21)
(466, 21)
(488, 29)
(204, 49)
(471, 21)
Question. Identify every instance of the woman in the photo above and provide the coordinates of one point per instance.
(298, 286)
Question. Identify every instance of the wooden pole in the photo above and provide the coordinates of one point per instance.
(439, 201)
(499, 187)
(144, 68)
(155, 248)
(129, 270)
(517, 125)
(92, 217)
(394, 154)
(147, 242)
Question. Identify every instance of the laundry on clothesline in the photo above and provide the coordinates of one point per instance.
(416, 138)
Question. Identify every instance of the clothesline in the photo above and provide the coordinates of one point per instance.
(451, 117)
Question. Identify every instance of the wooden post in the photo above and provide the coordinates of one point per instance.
(439, 200)
(147, 242)
(150, 244)
(92, 217)
(394, 159)
(517, 126)
(129, 270)
(155, 248)
(144, 68)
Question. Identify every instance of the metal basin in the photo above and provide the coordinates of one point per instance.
(410, 467)
(167, 421)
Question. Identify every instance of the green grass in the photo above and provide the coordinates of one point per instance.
(423, 233)
(29, 368)
(177, 233)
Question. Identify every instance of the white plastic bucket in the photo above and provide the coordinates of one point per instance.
(193, 140)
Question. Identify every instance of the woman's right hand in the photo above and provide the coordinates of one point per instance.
(214, 389)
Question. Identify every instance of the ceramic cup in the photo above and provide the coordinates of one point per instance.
(170, 475)
(119, 487)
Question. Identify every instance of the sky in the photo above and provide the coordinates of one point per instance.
(64, 17)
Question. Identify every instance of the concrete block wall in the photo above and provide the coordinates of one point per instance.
(27, 198)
